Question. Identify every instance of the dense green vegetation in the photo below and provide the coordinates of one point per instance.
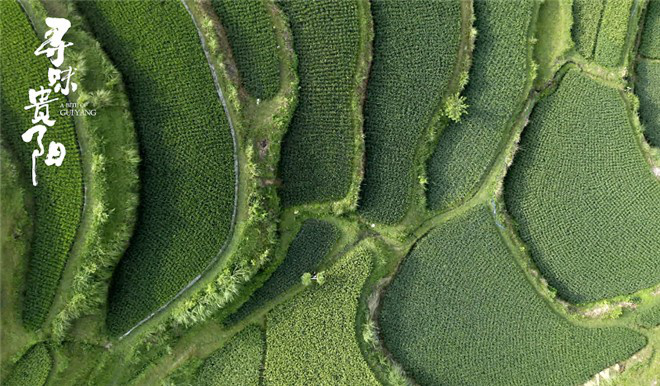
(319, 148)
(586, 20)
(237, 363)
(250, 33)
(648, 90)
(32, 369)
(312, 243)
(612, 32)
(499, 81)
(583, 195)
(187, 174)
(415, 43)
(311, 338)
(650, 44)
(15, 236)
(487, 324)
(110, 167)
(339, 220)
(58, 197)
(650, 318)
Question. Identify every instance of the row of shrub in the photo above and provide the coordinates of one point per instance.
(58, 197)
(500, 79)
(460, 311)
(583, 195)
(187, 174)
(416, 46)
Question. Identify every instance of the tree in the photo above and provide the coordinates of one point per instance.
(455, 107)
(320, 278)
(306, 279)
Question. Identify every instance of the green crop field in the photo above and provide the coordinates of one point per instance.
(237, 363)
(586, 20)
(335, 193)
(253, 44)
(650, 43)
(32, 369)
(187, 176)
(311, 339)
(313, 243)
(578, 167)
(650, 318)
(318, 149)
(415, 43)
(612, 32)
(55, 226)
(461, 312)
(648, 90)
(498, 84)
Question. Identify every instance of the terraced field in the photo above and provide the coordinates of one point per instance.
(650, 42)
(312, 243)
(238, 361)
(187, 193)
(648, 90)
(339, 192)
(487, 325)
(499, 82)
(253, 44)
(311, 338)
(590, 220)
(415, 43)
(319, 149)
(587, 16)
(612, 32)
(55, 226)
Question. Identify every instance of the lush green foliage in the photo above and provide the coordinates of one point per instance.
(498, 84)
(583, 195)
(311, 338)
(612, 33)
(650, 44)
(648, 90)
(187, 174)
(32, 369)
(318, 150)
(461, 312)
(415, 43)
(650, 318)
(237, 363)
(110, 163)
(312, 243)
(58, 197)
(586, 20)
(254, 47)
